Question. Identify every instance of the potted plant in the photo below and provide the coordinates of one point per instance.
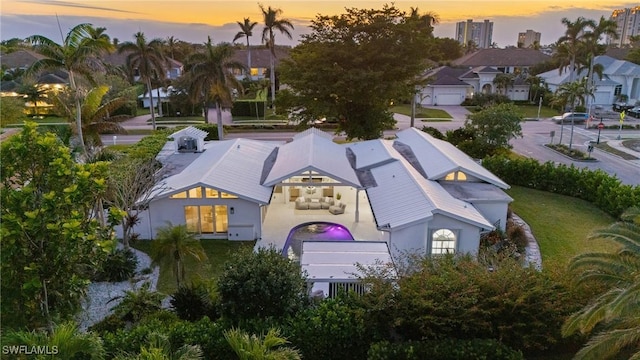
(338, 196)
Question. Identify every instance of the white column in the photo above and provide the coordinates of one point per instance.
(357, 205)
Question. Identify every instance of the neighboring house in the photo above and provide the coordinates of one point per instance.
(160, 95)
(414, 193)
(451, 86)
(20, 59)
(174, 68)
(508, 61)
(619, 77)
(259, 61)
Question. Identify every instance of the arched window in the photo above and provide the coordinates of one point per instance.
(456, 176)
(443, 241)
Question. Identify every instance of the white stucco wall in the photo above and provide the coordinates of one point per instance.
(468, 240)
(408, 239)
(246, 214)
(493, 211)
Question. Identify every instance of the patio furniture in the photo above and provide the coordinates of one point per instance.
(302, 204)
(338, 208)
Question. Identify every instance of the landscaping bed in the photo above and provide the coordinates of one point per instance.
(571, 153)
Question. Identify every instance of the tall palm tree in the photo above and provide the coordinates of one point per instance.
(211, 78)
(427, 20)
(573, 37)
(593, 48)
(614, 312)
(272, 23)
(96, 113)
(269, 346)
(172, 246)
(246, 30)
(573, 93)
(78, 51)
(69, 343)
(148, 59)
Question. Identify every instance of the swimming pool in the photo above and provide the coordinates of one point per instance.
(317, 231)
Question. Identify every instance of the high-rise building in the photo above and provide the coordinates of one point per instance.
(528, 39)
(628, 21)
(479, 32)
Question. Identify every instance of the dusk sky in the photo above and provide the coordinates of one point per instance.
(193, 21)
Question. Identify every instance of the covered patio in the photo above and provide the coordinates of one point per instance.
(280, 218)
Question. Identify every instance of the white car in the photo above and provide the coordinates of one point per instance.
(578, 118)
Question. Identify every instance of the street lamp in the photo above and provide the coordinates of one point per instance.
(539, 106)
(600, 127)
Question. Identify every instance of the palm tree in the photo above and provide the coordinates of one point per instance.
(75, 55)
(96, 113)
(272, 23)
(573, 38)
(427, 20)
(604, 27)
(211, 78)
(573, 93)
(33, 93)
(252, 347)
(159, 347)
(246, 30)
(137, 303)
(614, 312)
(502, 82)
(148, 59)
(172, 246)
(65, 341)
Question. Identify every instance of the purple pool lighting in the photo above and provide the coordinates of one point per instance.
(316, 231)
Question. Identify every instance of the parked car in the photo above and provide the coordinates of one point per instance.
(634, 112)
(578, 118)
(620, 107)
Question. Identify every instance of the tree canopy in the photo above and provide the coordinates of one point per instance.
(352, 66)
(495, 126)
(50, 237)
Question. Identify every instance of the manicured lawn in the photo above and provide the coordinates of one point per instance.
(561, 224)
(421, 113)
(217, 251)
(531, 111)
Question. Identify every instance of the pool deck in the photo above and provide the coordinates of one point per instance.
(282, 217)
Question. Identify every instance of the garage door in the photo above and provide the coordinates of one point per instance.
(448, 99)
(601, 98)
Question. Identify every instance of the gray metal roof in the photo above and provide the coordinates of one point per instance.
(370, 153)
(403, 196)
(312, 152)
(337, 260)
(474, 192)
(232, 166)
(439, 158)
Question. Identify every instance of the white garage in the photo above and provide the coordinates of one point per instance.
(448, 99)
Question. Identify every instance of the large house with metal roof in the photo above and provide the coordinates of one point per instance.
(415, 193)
(619, 77)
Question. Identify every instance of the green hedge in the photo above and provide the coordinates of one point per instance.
(595, 186)
(149, 146)
(248, 108)
(446, 349)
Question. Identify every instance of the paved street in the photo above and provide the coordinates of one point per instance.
(535, 135)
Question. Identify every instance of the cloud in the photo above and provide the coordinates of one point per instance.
(73, 5)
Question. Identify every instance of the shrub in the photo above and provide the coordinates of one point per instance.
(516, 235)
(137, 304)
(333, 329)
(595, 186)
(248, 108)
(260, 284)
(457, 297)
(211, 129)
(433, 132)
(484, 100)
(193, 302)
(119, 265)
(448, 349)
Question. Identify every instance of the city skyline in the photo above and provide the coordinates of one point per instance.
(193, 21)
